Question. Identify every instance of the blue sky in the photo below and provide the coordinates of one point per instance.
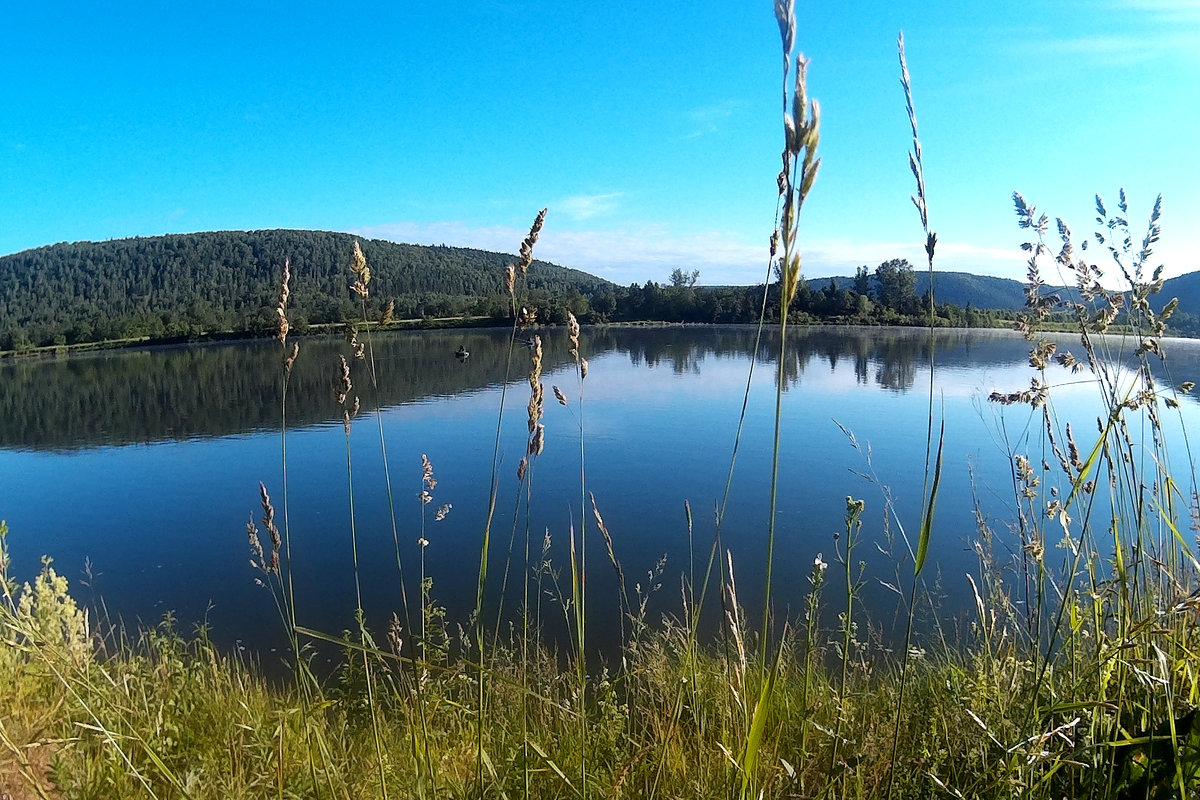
(650, 130)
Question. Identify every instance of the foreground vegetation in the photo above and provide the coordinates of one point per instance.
(165, 717)
(1074, 675)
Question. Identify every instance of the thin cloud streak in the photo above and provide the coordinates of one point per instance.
(1137, 31)
(650, 253)
(1168, 11)
(708, 119)
(1131, 47)
(586, 206)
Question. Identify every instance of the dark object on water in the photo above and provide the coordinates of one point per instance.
(461, 354)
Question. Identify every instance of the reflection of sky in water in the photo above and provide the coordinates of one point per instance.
(163, 523)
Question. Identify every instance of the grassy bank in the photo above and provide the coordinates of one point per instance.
(1104, 714)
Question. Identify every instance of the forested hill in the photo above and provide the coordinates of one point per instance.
(987, 292)
(187, 284)
(960, 288)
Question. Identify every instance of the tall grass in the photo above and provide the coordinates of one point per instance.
(1075, 673)
(932, 477)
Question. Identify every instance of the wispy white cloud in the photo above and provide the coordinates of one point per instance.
(1168, 11)
(623, 256)
(651, 252)
(586, 206)
(1132, 47)
(708, 119)
(1132, 31)
(840, 257)
(496, 238)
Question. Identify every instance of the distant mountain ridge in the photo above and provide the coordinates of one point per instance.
(960, 288)
(988, 292)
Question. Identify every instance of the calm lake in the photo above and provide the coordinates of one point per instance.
(141, 466)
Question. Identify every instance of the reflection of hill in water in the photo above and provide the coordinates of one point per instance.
(884, 356)
(887, 357)
(216, 390)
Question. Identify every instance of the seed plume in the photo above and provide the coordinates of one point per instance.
(268, 520)
(573, 334)
(362, 273)
(256, 549)
(427, 473)
(352, 340)
(344, 385)
(536, 389)
(281, 309)
(530, 241)
(291, 359)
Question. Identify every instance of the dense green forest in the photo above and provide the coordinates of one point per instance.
(202, 285)
(189, 285)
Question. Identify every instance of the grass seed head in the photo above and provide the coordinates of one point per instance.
(362, 273)
(536, 389)
(537, 442)
(268, 509)
(352, 340)
(281, 309)
(393, 634)
(268, 520)
(291, 359)
(427, 478)
(530, 241)
(573, 333)
(256, 549)
(344, 385)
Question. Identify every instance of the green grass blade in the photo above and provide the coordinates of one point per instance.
(927, 517)
(555, 768)
(758, 725)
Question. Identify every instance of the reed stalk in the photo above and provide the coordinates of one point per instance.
(512, 272)
(932, 478)
(800, 166)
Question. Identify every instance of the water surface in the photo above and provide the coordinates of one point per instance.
(142, 466)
